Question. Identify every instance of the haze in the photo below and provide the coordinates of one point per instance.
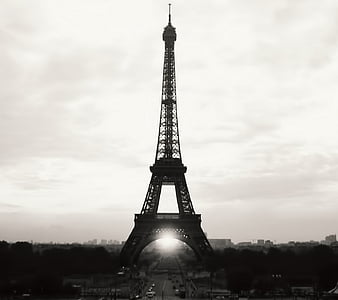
(80, 102)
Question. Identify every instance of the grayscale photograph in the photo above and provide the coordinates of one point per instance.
(160, 150)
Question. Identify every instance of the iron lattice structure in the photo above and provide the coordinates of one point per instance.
(168, 169)
(168, 145)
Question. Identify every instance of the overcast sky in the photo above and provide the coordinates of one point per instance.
(80, 102)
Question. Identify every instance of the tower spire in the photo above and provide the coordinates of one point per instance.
(169, 13)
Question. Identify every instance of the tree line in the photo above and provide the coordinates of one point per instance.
(41, 272)
(277, 269)
(24, 270)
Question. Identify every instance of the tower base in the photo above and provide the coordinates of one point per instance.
(148, 228)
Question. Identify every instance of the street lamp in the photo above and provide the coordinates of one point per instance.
(211, 274)
(276, 278)
(117, 275)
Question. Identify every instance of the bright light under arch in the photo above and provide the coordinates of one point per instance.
(167, 242)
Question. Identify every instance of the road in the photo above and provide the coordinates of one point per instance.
(166, 278)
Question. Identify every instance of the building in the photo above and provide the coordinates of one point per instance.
(220, 243)
(91, 242)
(244, 244)
(332, 238)
(268, 243)
(260, 242)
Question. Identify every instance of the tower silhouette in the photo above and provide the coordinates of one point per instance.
(168, 169)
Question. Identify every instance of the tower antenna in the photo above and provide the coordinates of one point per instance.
(169, 13)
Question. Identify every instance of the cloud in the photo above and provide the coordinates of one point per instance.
(61, 227)
(311, 180)
(9, 206)
(80, 103)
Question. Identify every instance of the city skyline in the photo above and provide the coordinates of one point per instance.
(216, 243)
(80, 109)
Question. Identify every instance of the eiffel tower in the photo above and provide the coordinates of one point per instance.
(168, 169)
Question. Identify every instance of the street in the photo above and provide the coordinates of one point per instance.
(166, 280)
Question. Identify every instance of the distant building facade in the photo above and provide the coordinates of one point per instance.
(220, 243)
(260, 242)
(330, 239)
